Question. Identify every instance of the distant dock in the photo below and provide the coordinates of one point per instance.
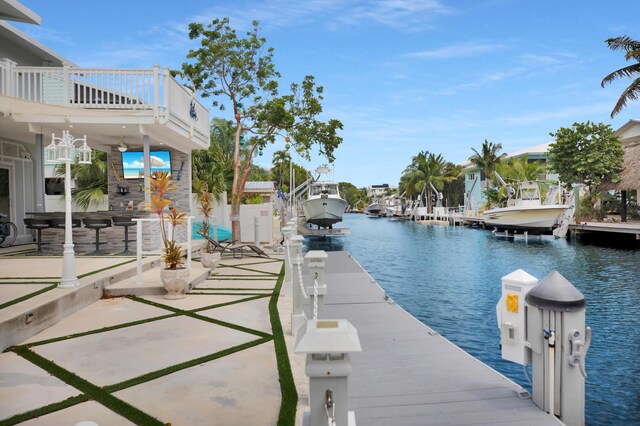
(407, 374)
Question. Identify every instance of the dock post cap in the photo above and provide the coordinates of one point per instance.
(324, 336)
(520, 276)
(297, 238)
(554, 292)
(316, 254)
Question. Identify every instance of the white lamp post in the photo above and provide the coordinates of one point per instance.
(63, 150)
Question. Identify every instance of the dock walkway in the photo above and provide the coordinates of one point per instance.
(407, 374)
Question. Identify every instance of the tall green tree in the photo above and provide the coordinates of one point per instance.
(353, 195)
(486, 160)
(281, 160)
(90, 179)
(586, 153)
(427, 169)
(240, 75)
(214, 166)
(520, 169)
(632, 49)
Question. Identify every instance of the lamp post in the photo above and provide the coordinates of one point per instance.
(63, 150)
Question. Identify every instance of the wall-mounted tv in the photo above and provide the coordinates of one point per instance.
(133, 163)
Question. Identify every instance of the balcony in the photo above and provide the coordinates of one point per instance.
(151, 93)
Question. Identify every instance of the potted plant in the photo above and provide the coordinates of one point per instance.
(174, 276)
(209, 257)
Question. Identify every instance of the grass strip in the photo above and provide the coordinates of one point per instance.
(207, 319)
(222, 265)
(26, 282)
(96, 393)
(106, 268)
(43, 411)
(226, 278)
(98, 330)
(233, 302)
(213, 293)
(242, 268)
(27, 296)
(246, 277)
(184, 365)
(287, 414)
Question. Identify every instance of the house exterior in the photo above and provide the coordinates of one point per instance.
(475, 181)
(378, 190)
(629, 133)
(43, 93)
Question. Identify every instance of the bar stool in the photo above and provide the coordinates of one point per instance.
(60, 222)
(126, 222)
(38, 224)
(98, 224)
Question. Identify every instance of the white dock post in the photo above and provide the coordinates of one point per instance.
(297, 316)
(286, 285)
(328, 344)
(559, 343)
(316, 259)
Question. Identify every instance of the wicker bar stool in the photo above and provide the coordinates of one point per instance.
(98, 224)
(126, 222)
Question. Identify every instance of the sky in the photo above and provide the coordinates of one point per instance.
(403, 76)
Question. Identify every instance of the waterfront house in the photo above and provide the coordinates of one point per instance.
(133, 114)
(475, 181)
(378, 190)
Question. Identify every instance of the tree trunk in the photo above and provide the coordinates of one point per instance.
(235, 218)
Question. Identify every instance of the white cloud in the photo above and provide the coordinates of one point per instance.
(458, 51)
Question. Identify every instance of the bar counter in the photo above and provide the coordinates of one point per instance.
(84, 238)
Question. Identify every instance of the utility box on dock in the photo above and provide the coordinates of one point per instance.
(511, 315)
(559, 343)
(328, 344)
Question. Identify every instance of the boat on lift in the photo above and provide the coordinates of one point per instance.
(525, 211)
(323, 207)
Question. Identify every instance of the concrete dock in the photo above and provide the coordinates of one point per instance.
(407, 374)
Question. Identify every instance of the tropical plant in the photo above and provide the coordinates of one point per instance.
(586, 153)
(632, 49)
(427, 169)
(90, 179)
(521, 169)
(205, 208)
(215, 164)
(281, 160)
(486, 160)
(160, 184)
(240, 71)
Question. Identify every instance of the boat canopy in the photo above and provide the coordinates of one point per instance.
(324, 188)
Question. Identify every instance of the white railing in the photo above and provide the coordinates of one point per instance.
(102, 88)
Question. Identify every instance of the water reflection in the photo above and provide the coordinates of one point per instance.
(449, 278)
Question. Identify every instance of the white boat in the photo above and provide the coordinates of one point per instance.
(376, 210)
(525, 212)
(323, 206)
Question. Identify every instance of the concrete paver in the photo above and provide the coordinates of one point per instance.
(237, 284)
(194, 301)
(35, 266)
(103, 313)
(87, 411)
(9, 292)
(25, 387)
(253, 314)
(114, 356)
(241, 389)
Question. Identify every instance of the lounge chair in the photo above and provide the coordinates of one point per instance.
(234, 248)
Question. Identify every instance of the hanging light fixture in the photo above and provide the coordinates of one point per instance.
(241, 139)
(287, 140)
(122, 147)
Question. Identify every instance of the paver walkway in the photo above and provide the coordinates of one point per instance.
(207, 359)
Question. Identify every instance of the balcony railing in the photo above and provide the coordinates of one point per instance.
(111, 89)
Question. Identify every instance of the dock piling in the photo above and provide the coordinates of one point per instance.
(317, 288)
(287, 261)
(297, 316)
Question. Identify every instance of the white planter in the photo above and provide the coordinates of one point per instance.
(175, 281)
(210, 260)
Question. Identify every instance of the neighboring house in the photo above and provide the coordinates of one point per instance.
(43, 93)
(474, 181)
(378, 190)
(629, 133)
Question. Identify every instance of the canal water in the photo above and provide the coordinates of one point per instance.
(449, 278)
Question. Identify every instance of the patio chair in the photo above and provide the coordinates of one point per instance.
(235, 248)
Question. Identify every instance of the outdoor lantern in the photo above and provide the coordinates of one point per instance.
(66, 150)
(51, 152)
(84, 152)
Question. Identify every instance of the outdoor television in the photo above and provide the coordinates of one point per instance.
(133, 165)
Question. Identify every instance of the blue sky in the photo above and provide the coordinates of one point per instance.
(402, 75)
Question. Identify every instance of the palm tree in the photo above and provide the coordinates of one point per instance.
(280, 162)
(521, 169)
(90, 179)
(487, 159)
(214, 165)
(632, 47)
(427, 169)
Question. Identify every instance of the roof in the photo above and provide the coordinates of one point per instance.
(12, 10)
(629, 132)
(257, 186)
(24, 44)
(537, 149)
(630, 176)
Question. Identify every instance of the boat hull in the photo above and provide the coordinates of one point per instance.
(531, 219)
(324, 212)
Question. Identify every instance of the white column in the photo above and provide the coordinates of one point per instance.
(286, 285)
(69, 277)
(316, 286)
(297, 316)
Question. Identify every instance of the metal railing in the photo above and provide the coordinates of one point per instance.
(106, 88)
